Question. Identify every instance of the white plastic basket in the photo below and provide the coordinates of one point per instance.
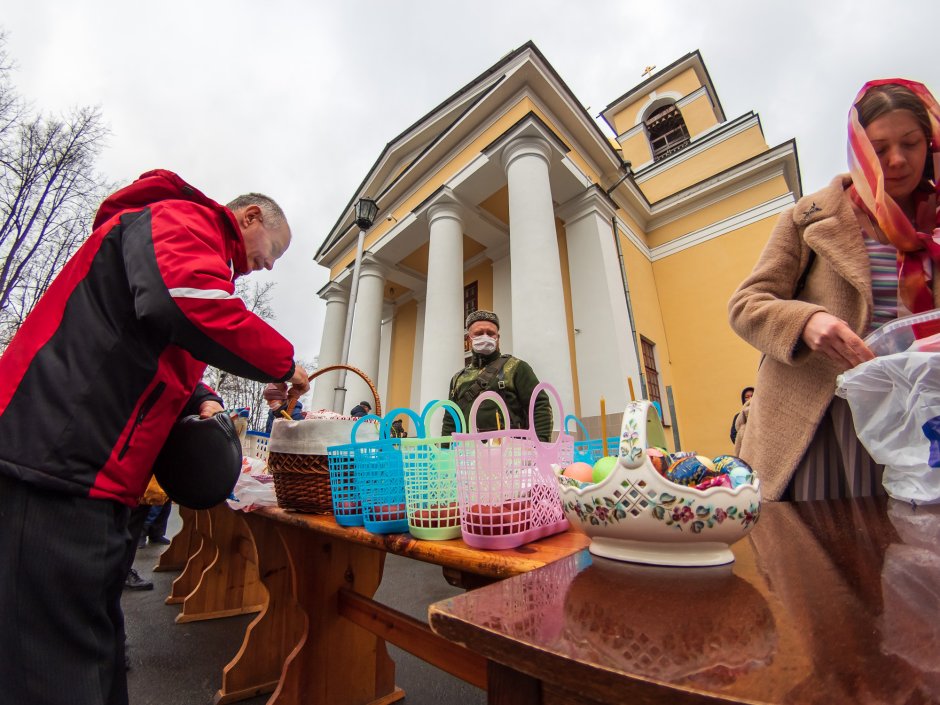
(255, 445)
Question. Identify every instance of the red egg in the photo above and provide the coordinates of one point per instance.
(582, 472)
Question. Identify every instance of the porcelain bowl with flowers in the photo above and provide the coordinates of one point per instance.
(635, 514)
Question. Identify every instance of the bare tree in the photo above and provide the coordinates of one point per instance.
(48, 195)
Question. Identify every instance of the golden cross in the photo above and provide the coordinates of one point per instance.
(649, 70)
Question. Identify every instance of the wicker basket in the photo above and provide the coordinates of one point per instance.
(302, 482)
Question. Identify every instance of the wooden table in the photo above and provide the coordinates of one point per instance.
(220, 577)
(827, 602)
(320, 638)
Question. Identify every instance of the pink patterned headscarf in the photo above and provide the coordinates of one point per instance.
(916, 243)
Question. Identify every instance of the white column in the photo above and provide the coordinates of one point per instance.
(442, 349)
(366, 334)
(331, 343)
(385, 348)
(502, 293)
(599, 307)
(540, 335)
(415, 400)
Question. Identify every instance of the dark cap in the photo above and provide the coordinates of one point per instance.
(481, 315)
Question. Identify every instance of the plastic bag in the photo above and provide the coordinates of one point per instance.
(250, 493)
(895, 402)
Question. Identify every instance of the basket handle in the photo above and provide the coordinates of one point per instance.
(390, 417)
(359, 422)
(572, 417)
(535, 393)
(292, 400)
(640, 427)
(455, 413)
(491, 396)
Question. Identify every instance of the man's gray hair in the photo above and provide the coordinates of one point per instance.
(269, 208)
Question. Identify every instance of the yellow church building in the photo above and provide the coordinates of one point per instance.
(609, 259)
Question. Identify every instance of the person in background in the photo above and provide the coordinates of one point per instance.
(154, 529)
(746, 395)
(839, 264)
(276, 397)
(398, 429)
(361, 409)
(127, 327)
(513, 379)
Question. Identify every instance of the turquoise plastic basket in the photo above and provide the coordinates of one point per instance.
(347, 505)
(590, 450)
(431, 479)
(381, 480)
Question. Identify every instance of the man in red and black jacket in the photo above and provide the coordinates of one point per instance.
(89, 388)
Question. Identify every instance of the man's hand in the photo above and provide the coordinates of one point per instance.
(300, 383)
(209, 408)
(826, 334)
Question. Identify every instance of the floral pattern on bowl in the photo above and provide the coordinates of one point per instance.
(636, 514)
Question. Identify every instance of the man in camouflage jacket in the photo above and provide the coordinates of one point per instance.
(513, 379)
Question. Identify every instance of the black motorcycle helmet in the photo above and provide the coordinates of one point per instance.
(200, 461)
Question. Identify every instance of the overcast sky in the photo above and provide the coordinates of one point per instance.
(297, 99)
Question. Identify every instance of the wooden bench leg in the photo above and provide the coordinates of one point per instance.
(182, 546)
(198, 561)
(336, 662)
(275, 632)
(230, 584)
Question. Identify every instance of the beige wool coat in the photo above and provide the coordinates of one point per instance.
(795, 386)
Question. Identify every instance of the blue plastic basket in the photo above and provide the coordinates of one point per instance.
(590, 450)
(381, 481)
(347, 505)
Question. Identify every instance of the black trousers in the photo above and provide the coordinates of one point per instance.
(62, 567)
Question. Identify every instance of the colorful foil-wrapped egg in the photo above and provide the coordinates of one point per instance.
(690, 471)
(739, 471)
(659, 459)
(716, 481)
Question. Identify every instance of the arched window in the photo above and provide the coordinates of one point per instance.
(667, 131)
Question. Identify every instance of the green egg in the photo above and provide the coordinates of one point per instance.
(603, 467)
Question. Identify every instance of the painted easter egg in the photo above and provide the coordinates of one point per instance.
(603, 467)
(739, 471)
(582, 472)
(688, 471)
(659, 459)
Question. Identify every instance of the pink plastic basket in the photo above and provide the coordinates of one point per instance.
(506, 490)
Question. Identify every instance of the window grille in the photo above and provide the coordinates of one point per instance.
(667, 132)
(652, 374)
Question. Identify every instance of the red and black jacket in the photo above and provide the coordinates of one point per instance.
(113, 351)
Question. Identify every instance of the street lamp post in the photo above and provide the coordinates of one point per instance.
(366, 210)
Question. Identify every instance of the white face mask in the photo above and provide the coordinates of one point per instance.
(483, 344)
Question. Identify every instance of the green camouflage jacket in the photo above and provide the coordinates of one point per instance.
(514, 383)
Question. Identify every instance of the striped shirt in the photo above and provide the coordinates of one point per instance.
(884, 281)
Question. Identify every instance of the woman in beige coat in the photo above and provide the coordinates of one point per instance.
(809, 300)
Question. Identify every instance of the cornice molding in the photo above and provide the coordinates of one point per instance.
(591, 200)
(333, 292)
(722, 227)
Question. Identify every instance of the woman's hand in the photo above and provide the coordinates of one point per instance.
(831, 336)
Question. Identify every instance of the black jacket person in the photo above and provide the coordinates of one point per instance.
(513, 379)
